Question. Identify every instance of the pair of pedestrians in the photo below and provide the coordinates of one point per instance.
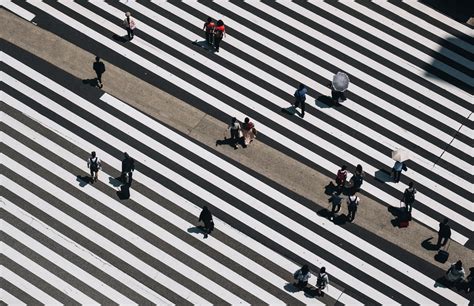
(128, 166)
(215, 32)
(241, 132)
(352, 201)
(302, 277)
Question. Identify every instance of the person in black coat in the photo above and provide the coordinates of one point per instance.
(128, 165)
(206, 218)
(99, 68)
(444, 233)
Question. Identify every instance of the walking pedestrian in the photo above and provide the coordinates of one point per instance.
(357, 179)
(99, 68)
(397, 170)
(302, 276)
(128, 166)
(444, 233)
(129, 24)
(341, 179)
(300, 98)
(209, 26)
(336, 200)
(234, 128)
(94, 164)
(248, 132)
(322, 281)
(206, 218)
(409, 197)
(219, 33)
(352, 204)
(455, 273)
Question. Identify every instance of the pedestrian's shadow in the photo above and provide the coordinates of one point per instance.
(227, 141)
(121, 39)
(204, 45)
(198, 229)
(326, 102)
(383, 176)
(83, 180)
(291, 288)
(115, 181)
(290, 110)
(91, 82)
(427, 245)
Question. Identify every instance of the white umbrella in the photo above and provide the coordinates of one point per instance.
(400, 155)
(340, 81)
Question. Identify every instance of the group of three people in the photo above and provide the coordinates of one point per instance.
(241, 132)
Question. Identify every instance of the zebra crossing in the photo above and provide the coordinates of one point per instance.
(78, 244)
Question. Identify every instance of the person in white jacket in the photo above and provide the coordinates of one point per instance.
(322, 281)
(301, 276)
(129, 24)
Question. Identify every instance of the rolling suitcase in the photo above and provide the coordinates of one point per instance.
(403, 217)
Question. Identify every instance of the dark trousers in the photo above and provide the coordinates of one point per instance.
(336, 207)
(303, 106)
(124, 178)
(209, 37)
(234, 137)
(351, 214)
(396, 176)
(337, 95)
(130, 33)
(217, 42)
(442, 240)
(99, 77)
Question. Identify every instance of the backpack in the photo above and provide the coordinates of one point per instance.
(94, 164)
(357, 180)
(409, 196)
(341, 176)
(322, 280)
(352, 204)
(404, 167)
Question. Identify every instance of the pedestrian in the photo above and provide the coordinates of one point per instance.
(357, 179)
(341, 179)
(455, 273)
(206, 218)
(234, 128)
(209, 26)
(129, 24)
(396, 171)
(99, 68)
(322, 281)
(409, 197)
(248, 132)
(94, 164)
(302, 276)
(219, 33)
(336, 200)
(128, 166)
(352, 204)
(444, 233)
(300, 98)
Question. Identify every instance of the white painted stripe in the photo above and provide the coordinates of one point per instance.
(433, 29)
(183, 203)
(467, 62)
(276, 118)
(8, 4)
(440, 17)
(375, 48)
(72, 246)
(320, 124)
(26, 286)
(124, 233)
(416, 37)
(99, 196)
(67, 266)
(9, 298)
(329, 111)
(45, 275)
(227, 109)
(327, 74)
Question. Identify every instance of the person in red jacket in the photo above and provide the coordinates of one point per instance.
(209, 26)
(219, 33)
